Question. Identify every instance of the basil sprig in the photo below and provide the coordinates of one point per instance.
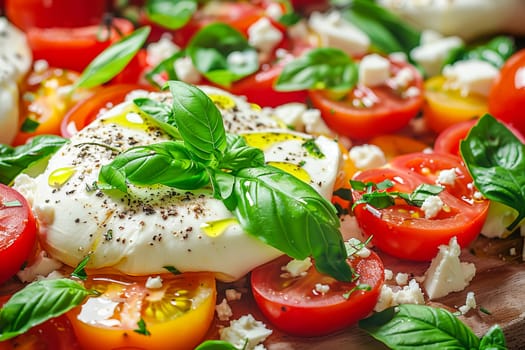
(112, 60)
(420, 326)
(14, 160)
(39, 302)
(171, 14)
(495, 158)
(377, 196)
(213, 50)
(270, 204)
(320, 68)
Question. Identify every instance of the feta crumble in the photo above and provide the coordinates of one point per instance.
(245, 333)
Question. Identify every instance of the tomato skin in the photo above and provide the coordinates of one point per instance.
(158, 308)
(507, 96)
(402, 230)
(55, 13)
(58, 45)
(390, 114)
(86, 110)
(18, 232)
(294, 309)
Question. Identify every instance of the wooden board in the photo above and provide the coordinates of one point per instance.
(499, 287)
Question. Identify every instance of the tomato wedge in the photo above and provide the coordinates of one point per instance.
(17, 232)
(295, 306)
(402, 230)
(175, 315)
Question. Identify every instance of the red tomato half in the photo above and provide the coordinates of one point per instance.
(17, 232)
(85, 111)
(507, 95)
(74, 48)
(295, 306)
(390, 112)
(402, 230)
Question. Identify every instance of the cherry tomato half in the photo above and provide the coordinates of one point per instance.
(402, 230)
(295, 306)
(176, 315)
(389, 111)
(17, 231)
(507, 96)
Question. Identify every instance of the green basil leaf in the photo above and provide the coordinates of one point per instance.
(239, 155)
(80, 271)
(141, 328)
(496, 52)
(39, 302)
(496, 160)
(215, 345)
(167, 66)
(222, 54)
(319, 68)
(288, 214)
(494, 339)
(14, 160)
(167, 163)
(421, 193)
(160, 114)
(29, 125)
(199, 122)
(171, 14)
(112, 60)
(419, 326)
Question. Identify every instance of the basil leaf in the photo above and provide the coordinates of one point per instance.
(320, 68)
(39, 302)
(199, 122)
(160, 114)
(496, 160)
(421, 193)
(171, 14)
(222, 54)
(112, 60)
(288, 214)
(166, 66)
(215, 345)
(494, 339)
(14, 160)
(167, 163)
(419, 326)
(239, 155)
(80, 271)
(495, 52)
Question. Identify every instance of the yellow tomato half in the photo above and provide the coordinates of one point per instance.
(128, 315)
(444, 107)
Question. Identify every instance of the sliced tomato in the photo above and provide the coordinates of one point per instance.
(295, 306)
(444, 106)
(56, 13)
(507, 95)
(17, 231)
(367, 112)
(75, 48)
(85, 111)
(402, 230)
(45, 101)
(177, 315)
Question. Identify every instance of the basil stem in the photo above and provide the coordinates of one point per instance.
(14, 160)
(39, 302)
(495, 158)
(112, 60)
(171, 14)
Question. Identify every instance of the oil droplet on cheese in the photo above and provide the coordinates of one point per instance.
(222, 102)
(255, 107)
(130, 120)
(263, 140)
(59, 176)
(217, 228)
(292, 169)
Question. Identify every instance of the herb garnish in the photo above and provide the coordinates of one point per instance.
(79, 271)
(10, 204)
(141, 324)
(262, 198)
(171, 14)
(172, 269)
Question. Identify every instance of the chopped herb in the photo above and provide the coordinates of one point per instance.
(142, 328)
(485, 311)
(80, 271)
(312, 148)
(11, 204)
(93, 187)
(29, 125)
(172, 270)
(108, 236)
(362, 286)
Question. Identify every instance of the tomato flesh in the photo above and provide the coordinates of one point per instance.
(293, 305)
(17, 231)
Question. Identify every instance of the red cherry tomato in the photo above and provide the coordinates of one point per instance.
(402, 230)
(75, 48)
(391, 111)
(55, 13)
(507, 95)
(293, 304)
(85, 111)
(17, 232)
